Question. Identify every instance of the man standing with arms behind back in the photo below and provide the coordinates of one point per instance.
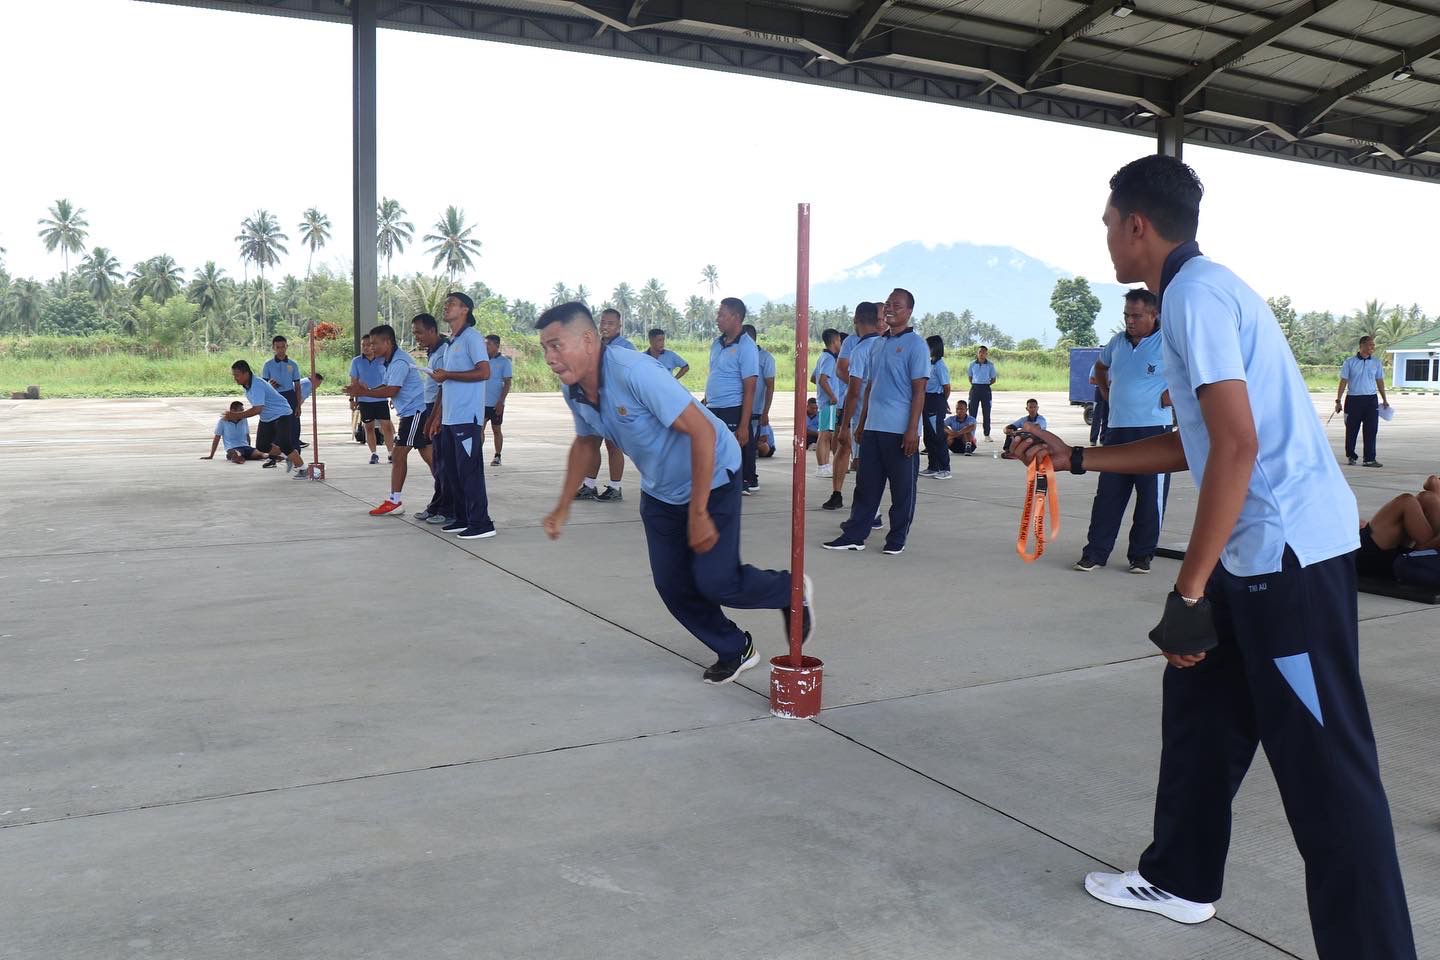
(982, 378)
(1261, 630)
(1365, 376)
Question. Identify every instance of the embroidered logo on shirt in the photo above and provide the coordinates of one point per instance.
(622, 411)
(1150, 368)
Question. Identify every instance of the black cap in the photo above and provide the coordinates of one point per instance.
(463, 298)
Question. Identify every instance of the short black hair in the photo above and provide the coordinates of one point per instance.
(963, 401)
(982, 347)
(735, 305)
(656, 332)
(909, 297)
(1032, 400)
(1164, 191)
(364, 337)
(1364, 340)
(384, 330)
(603, 313)
(236, 405)
(867, 312)
(277, 339)
(937, 346)
(830, 335)
(493, 337)
(1143, 297)
(317, 378)
(425, 320)
(567, 313)
(750, 329)
(242, 366)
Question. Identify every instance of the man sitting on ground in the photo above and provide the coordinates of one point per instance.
(1032, 418)
(1411, 521)
(764, 441)
(960, 430)
(236, 436)
(812, 423)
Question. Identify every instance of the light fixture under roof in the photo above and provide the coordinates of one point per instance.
(1144, 114)
(1124, 8)
(1404, 73)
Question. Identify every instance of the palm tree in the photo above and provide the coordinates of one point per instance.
(392, 232)
(260, 241)
(101, 271)
(291, 292)
(452, 244)
(697, 311)
(654, 303)
(560, 294)
(27, 300)
(64, 228)
(314, 231)
(710, 277)
(623, 299)
(581, 295)
(158, 278)
(207, 291)
(426, 294)
(1366, 321)
(1396, 326)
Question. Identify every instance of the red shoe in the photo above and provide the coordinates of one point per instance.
(387, 508)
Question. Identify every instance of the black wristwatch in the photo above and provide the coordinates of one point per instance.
(1077, 460)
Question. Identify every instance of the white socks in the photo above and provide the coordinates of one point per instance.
(590, 483)
(395, 496)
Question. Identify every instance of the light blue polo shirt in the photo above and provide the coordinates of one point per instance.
(847, 347)
(982, 374)
(1137, 379)
(825, 370)
(401, 372)
(939, 377)
(463, 402)
(1216, 328)
(638, 402)
(669, 359)
(895, 362)
(730, 364)
(267, 398)
(619, 341)
(233, 433)
(500, 368)
(283, 372)
(767, 369)
(306, 388)
(860, 368)
(1025, 421)
(1360, 375)
(369, 372)
(956, 424)
(434, 362)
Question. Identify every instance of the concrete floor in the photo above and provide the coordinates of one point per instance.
(243, 719)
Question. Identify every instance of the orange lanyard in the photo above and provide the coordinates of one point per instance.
(1040, 488)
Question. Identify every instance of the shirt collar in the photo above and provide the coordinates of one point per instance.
(729, 343)
(1178, 257)
(577, 393)
(867, 336)
(891, 333)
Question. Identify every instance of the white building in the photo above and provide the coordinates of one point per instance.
(1415, 361)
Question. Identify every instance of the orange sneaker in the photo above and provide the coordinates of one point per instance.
(387, 509)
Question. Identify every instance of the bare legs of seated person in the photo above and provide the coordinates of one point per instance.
(1410, 521)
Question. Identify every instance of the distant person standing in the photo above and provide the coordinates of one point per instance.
(403, 386)
(733, 383)
(827, 401)
(669, 359)
(850, 371)
(760, 412)
(497, 388)
(462, 375)
(1100, 407)
(982, 377)
(1132, 363)
(283, 374)
(889, 429)
(1364, 376)
(610, 336)
(427, 335)
(369, 371)
(937, 405)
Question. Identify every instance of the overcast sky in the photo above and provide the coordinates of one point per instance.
(170, 125)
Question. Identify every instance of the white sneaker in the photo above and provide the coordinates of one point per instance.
(1134, 892)
(826, 471)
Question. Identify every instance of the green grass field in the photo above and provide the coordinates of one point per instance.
(112, 367)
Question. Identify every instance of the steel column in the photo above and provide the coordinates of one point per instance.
(1170, 136)
(365, 257)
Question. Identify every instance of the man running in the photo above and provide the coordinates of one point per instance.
(896, 370)
(610, 336)
(403, 388)
(669, 359)
(497, 388)
(1260, 630)
(1133, 366)
(273, 436)
(460, 421)
(367, 370)
(689, 488)
(760, 412)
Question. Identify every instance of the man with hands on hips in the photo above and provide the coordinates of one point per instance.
(1260, 631)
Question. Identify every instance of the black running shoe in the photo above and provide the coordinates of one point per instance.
(585, 493)
(835, 502)
(807, 620)
(270, 464)
(455, 527)
(723, 671)
(495, 462)
(1085, 565)
(1140, 566)
(611, 495)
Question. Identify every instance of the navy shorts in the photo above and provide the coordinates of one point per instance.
(245, 452)
(373, 410)
(274, 433)
(494, 416)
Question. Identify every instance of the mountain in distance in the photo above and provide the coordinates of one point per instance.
(999, 285)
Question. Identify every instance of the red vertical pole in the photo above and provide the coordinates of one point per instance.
(802, 393)
(314, 416)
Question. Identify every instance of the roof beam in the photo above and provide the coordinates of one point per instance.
(1312, 111)
(635, 7)
(1415, 136)
(862, 23)
(1040, 56)
(1205, 71)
